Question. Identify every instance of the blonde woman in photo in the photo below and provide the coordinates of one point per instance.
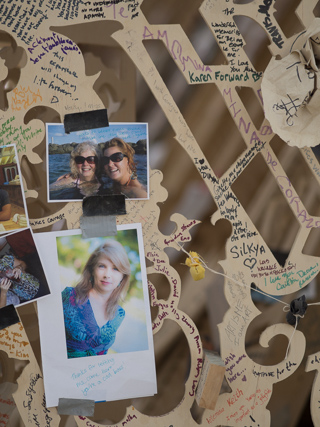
(84, 162)
(92, 313)
(119, 166)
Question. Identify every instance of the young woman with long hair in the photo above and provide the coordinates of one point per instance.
(92, 313)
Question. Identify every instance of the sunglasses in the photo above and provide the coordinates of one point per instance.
(115, 158)
(90, 160)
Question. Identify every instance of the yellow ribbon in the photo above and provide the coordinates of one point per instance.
(197, 270)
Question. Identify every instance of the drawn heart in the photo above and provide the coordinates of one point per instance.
(201, 161)
(244, 378)
(250, 262)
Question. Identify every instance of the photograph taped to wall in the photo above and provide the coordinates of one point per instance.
(13, 212)
(102, 161)
(97, 269)
(102, 351)
(22, 278)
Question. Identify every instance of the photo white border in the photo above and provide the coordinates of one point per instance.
(136, 378)
(93, 130)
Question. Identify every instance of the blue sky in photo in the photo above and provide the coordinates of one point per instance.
(129, 132)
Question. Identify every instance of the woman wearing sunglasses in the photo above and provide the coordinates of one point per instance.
(119, 166)
(84, 160)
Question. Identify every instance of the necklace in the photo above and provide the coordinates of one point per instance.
(132, 176)
(128, 182)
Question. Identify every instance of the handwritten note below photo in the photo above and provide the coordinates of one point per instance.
(102, 161)
(95, 328)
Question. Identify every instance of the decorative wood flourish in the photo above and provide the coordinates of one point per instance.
(53, 76)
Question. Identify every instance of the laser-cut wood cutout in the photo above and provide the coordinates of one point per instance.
(248, 257)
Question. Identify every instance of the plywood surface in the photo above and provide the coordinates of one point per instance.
(52, 81)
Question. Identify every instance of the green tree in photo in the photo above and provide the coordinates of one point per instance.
(74, 251)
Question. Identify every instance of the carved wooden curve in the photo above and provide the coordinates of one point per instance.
(53, 76)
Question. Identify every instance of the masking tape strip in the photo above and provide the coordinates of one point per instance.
(104, 205)
(98, 226)
(83, 407)
(86, 120)
(8, 316)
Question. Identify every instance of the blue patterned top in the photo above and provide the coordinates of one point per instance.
(23, 289)
(84, 336)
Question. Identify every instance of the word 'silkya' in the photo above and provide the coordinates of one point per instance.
(246, 249)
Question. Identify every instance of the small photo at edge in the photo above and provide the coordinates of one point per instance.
(13, 211)
(22, 277)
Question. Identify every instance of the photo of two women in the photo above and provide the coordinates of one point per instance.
(102, 294)
(104, 161)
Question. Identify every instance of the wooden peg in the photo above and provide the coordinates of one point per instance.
(210, 382)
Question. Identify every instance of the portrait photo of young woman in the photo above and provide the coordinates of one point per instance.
(101, 281)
